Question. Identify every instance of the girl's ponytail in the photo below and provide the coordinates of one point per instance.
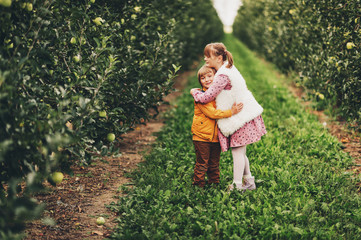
(218, 49)
(230, 59)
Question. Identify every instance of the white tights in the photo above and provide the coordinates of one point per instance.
(240, 165)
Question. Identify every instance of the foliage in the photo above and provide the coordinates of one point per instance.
(303, 189)
(320, 40)
(71, 72)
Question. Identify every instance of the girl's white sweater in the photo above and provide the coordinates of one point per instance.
(238, 93)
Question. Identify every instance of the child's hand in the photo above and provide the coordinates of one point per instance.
(236, 108)
(193, 90)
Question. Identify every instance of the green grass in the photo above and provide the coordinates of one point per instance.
(304, 190)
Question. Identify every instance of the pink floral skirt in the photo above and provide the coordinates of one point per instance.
(251, 132)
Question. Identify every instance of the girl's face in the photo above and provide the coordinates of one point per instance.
(213, 61)
(207, 79)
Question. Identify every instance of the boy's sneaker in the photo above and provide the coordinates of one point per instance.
(249, 183)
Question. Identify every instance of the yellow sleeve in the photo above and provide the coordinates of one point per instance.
(211, 112)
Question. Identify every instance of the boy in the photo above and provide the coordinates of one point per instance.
(205, 132)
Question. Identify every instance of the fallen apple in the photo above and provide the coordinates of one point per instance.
(100, 221)
(56, 177)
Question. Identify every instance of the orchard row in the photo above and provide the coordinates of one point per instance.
(75, 75)
(320, 40)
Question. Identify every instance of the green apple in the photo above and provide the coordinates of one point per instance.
(29, 7)
(350, 45)
(103, 114)
(76, 58)
(111, 137)
(5, 3)
(56, 177)
(92, 1)
(100, 221)
(73, 40)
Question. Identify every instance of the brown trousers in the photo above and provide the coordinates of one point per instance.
(208, 155)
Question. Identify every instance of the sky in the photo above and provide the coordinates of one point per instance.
(227, 10)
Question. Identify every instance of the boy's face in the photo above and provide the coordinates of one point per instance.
(207, 79)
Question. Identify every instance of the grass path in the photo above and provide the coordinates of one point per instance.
(304, 189)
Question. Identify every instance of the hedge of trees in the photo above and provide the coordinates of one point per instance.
(319, 40)
(74, 74)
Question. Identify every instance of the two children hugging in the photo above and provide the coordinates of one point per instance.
(237, 124)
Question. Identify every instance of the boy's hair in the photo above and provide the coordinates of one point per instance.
(203, 71)
(219, 49)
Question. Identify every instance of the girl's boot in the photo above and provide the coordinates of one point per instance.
(236, 186)
(249, 183)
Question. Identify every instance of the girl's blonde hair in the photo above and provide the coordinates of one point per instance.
(203, 71)
(219, 49)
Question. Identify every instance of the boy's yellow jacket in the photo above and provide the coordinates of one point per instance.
(204, 127)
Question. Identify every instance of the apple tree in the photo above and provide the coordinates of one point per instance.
(76, 75)
(319, 40)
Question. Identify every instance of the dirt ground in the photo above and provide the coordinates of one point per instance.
(80, 199)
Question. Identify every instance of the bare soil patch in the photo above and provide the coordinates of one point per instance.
(79, 200)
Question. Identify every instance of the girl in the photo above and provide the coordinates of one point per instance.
(204, 129)
(241, 129)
